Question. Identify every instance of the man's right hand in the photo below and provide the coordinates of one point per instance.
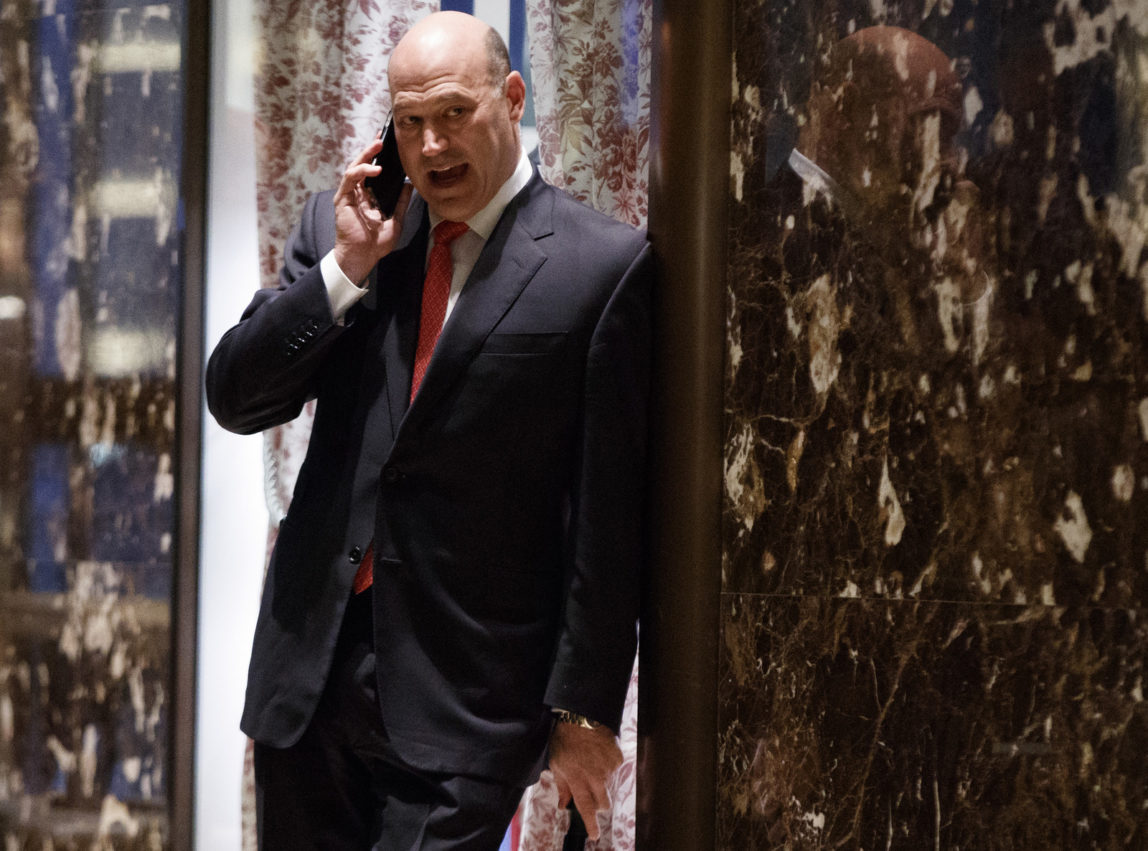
(362, 235)
(582, 761)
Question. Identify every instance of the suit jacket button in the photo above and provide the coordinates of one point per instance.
(391, 475)
(355, 555)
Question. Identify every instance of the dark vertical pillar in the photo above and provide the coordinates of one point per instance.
(193, 191)
(689, 179)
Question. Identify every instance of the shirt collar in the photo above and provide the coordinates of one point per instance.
(483, 222)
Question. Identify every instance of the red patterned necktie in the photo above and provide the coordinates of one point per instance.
(436, 293)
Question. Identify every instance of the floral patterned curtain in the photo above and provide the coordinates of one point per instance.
(321, 93)
(590, 61)
(590, 65)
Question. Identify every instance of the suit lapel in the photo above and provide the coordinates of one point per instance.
(400, 276)
(508, 261)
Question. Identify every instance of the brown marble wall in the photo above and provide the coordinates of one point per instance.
(935, 560)
(90, 274)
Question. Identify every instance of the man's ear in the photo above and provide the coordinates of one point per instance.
(516, 95)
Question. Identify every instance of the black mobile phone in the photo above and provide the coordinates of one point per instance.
(388, 183)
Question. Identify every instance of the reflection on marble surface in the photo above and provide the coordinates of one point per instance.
(935, 534)
(898, 724)
(937, 363)
(90, 275)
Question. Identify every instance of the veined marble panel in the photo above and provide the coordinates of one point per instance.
(935, 535)
(901, 724)
(937, 355)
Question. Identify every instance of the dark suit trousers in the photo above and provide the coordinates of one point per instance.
(341, 787)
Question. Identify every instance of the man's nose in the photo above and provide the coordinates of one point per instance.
(433, 141)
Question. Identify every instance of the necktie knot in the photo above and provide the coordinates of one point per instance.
(446, 232)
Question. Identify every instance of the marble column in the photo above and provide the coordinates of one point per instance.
(935, 507)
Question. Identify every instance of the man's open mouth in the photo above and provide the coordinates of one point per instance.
(444, 177)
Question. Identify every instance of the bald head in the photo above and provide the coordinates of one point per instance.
(882, 116)
(450, 31)
(456, 106)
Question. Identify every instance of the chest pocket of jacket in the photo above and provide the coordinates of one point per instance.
(521, 375)
(523, 344)
(516, 382)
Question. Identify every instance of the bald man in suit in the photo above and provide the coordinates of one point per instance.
(451, 603)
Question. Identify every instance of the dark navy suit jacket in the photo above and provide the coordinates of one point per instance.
(505, 504)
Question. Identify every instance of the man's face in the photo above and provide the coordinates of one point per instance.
(457, 128)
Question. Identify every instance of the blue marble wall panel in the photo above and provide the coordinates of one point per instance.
(936, 425)
(90, 278)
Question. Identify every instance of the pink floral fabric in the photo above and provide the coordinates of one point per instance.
(590, 61)
(321, 96)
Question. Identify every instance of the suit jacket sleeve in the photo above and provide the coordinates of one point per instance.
(265, 368)
(598, 639)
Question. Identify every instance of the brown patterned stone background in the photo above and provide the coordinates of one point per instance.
(874, 724)
(935, 561)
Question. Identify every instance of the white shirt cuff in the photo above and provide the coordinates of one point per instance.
(341, 290)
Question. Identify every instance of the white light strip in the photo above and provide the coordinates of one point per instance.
(133, 197)
(139, 56)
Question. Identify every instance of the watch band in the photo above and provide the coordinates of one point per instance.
(576, 719)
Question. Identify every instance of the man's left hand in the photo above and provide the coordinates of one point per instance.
(582, 761)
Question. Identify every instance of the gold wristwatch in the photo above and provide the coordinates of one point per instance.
(576, 719)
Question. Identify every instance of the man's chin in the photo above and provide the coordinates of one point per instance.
(450, 207)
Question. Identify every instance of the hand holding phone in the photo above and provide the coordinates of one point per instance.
(388, 183)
